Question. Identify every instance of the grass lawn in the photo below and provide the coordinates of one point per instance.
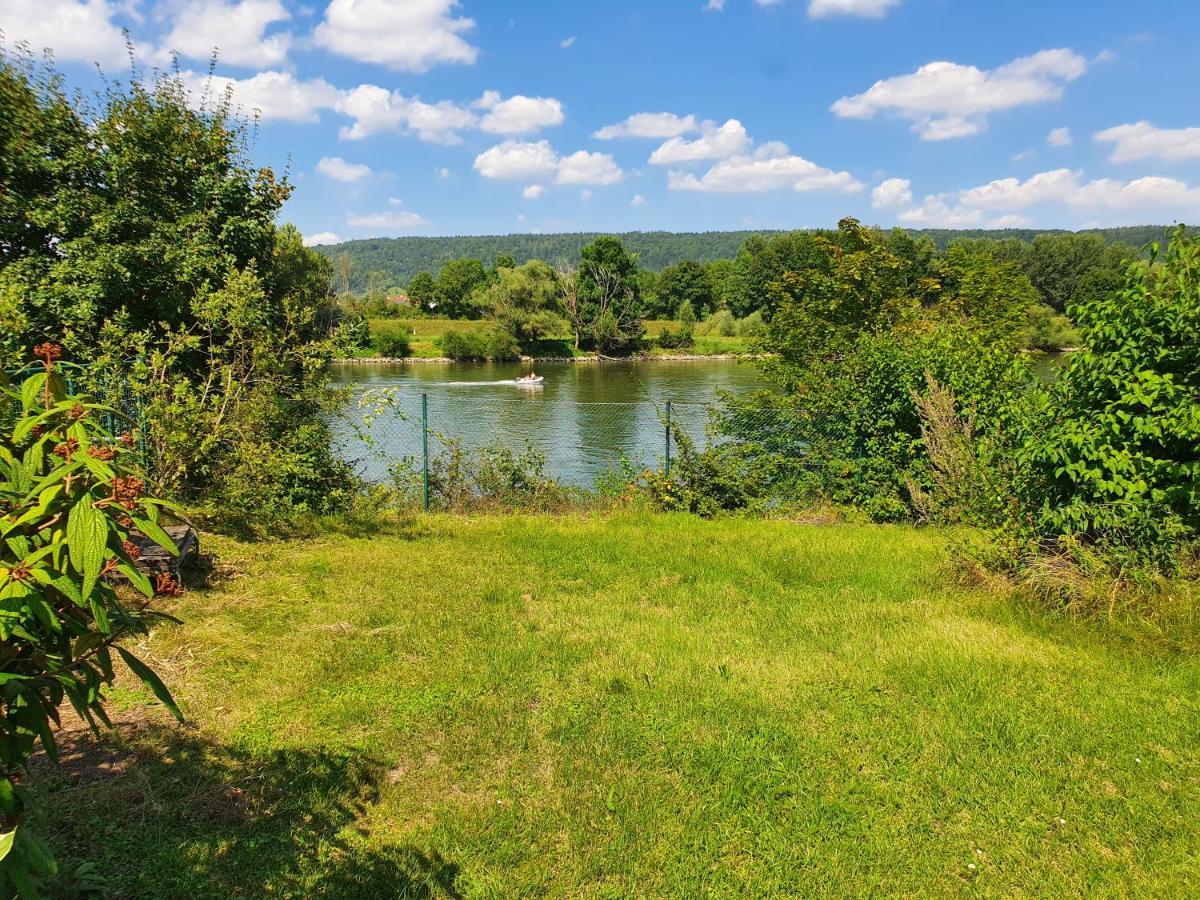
(638, 706)
(425, 336)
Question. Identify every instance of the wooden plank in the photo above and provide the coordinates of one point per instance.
(154, 559)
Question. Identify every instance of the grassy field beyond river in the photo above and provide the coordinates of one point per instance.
(638, 706)
(425, 336)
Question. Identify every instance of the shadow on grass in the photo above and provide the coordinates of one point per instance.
(154, 810)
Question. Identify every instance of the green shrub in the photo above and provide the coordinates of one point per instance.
(1115, 464)
(392, 343)
(488, 344)
(70, 502)
(677, 338)
(1046, 329)
(721, 323)
(490, 477)
(753, 326)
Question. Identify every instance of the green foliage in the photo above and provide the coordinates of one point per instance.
(71, 500)
(1116, 463)
(490, 344)
(523, 302)
(603, 300)
(1045, 329)
(394, 344)
(685, 282)
(982, 290)
(491, 477)
(422, 292)
(456, 283)
(151, 252)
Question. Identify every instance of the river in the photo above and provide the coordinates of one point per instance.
(584, 417)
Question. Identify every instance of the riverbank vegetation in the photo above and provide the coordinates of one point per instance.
(724, 298)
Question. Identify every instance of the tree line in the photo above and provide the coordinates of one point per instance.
(394, 262)
(604, 299)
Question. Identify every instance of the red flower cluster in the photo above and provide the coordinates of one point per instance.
(101, 452)
(126, 490)
(166, 586)
(132, 550)
(48, 353)
(77, 412)
(67, 449)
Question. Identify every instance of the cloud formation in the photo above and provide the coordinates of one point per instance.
(540, 163)
(409, 36)
(771, 167)
(339, 170)
(863, 9)
(1121, 200)
(1142, 140)
(648, 125)
(946, 100)
(715, 142)
(236, 30)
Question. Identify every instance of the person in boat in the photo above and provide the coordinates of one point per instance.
(532, 376)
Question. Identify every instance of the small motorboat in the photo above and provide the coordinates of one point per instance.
(529, 380)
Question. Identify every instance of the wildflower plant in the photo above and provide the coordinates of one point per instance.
(71, 505)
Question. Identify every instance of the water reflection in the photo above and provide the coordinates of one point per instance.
(585, 417)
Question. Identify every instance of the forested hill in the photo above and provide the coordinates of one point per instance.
(402, 258)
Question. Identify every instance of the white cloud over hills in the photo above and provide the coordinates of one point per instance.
(946, 100)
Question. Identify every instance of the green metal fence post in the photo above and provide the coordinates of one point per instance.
(667, 468)
(425, 451)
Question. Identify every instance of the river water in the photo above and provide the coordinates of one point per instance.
(584, 418)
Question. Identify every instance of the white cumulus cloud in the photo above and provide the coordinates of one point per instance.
(408, 35)
(1141, 140)
(376, 110)
(714, 142)
(1059, 137)
(892, 192)
(648, 125)
(236, 30)
(391, 220)
(81, 30)
(339, 170)
(947, 100)
(533, 192)
(865, 9)
(540, 163)
(638, 200)
(321, 237)
(273, 95)
(1124, 201)
(518, 114)
(771, 167)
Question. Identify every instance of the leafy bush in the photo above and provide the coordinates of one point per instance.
(490, 344)
(720, 323)
(70, 503)
(1115, 464)
(490, 477)
(392, 344)
(157, 258)
(676, 338)
(753, 326)
(1046, 329)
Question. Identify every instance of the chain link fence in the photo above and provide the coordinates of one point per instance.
(579, 442)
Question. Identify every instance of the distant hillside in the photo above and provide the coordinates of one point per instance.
(402, 258)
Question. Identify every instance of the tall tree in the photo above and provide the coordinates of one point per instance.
(456, 282)
(685, 282)
(610, 310)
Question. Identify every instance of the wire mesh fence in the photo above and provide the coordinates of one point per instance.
(579, 442)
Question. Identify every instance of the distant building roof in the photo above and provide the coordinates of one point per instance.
(398, 298)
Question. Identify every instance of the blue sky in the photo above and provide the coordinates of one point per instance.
(402, 117)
